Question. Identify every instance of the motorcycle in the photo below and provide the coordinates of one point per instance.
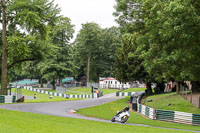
(122, 116)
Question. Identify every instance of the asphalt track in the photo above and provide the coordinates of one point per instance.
(66, 108)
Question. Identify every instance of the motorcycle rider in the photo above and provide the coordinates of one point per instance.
(123, 110)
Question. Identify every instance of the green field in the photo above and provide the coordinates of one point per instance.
(134, 89)
(107, 111)
(85, 90)
(177, 102)
(42, 97)
(23, 122)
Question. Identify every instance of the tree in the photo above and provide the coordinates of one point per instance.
(102, 49)
(27, 31)
(4, 70)
(129, 64)
(169, 36)
(87, 42)
(58, 63)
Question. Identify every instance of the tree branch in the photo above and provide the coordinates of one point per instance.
(20, 61)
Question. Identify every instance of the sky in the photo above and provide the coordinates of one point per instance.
(83, 11)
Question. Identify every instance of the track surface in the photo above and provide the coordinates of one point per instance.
(65, 108)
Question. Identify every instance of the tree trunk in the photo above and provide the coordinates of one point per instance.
(41, 82)
(149, 89)
(4, 74)
(195, 86)
(54, 83)
(60, 81)
(177, 87)
(88, 69)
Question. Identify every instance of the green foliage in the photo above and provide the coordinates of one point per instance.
(168, 40)
(98, 46)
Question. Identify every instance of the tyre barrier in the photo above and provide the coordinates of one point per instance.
(7, 99)
(147, 111)
(30, 88)
(170, 116)
(121, 94)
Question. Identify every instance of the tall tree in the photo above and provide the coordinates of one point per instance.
(4, 70)
(58, 63)
(88, 41)
(27, 31)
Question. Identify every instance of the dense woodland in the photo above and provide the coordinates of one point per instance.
(156, 42)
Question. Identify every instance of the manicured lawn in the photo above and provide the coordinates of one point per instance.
(23, 122)
(106, 111)
(79, 90)
(178, 103)
(108, 91)
(134, 89)
(42, 97)
(85, 90)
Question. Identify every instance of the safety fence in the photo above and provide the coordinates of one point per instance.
(7, 99)
(171, 116)
(95, 95)
(118, 94)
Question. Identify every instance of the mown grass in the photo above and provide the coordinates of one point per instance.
(23, 122)
(79, 91)
(171, 101)
(107, 111)
(85, 90)
(108, 91)
(134, 89)
(42, 97)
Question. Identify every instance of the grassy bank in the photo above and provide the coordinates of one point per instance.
(106, 111)
(171, 101)
(23, 122)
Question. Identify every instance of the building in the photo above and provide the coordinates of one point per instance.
(112, 83)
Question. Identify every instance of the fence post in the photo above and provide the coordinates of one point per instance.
(199, 102)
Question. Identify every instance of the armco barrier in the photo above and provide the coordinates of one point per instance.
(7, 99)
(63, 95)
(196, 119)
(165, 115)
(170, 116)
(181, 117)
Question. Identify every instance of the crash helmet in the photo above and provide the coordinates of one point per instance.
(127, 108)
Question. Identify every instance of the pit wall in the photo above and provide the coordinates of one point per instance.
(95, 95)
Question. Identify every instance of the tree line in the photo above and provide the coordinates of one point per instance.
(36, 44)
(160, 41)
(156, 42)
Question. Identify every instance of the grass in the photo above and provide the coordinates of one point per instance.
(134, 89)
(79, 91)
(23, 122)
(85, 90)
(177, 102)
(108, 91)
(42, 97)
(107, 111)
